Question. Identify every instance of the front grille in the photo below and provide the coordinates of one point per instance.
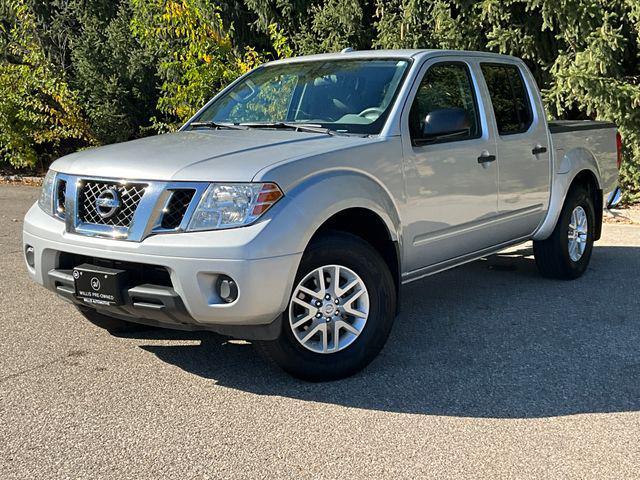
(176, 208)
(129, 195)
(103, 207)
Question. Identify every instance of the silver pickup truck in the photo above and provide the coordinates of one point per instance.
(293, 206)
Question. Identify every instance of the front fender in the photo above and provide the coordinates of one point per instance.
(322, 196)
(295, 219)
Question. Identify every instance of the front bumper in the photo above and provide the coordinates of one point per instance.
(194, 261)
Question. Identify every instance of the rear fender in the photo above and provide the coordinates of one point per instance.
(568, 167)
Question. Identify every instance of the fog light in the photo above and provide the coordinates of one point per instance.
(227, 289)
(30, 256)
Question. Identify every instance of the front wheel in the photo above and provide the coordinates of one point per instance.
(340, 311)
(566, 253)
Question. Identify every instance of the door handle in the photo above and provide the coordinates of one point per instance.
(486, 158)
(538, 150)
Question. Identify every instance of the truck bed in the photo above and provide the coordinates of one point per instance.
(564, 126)
(598, 138)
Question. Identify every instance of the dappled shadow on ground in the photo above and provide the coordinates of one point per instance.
(489, 339)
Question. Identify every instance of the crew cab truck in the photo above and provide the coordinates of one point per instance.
(293, 206)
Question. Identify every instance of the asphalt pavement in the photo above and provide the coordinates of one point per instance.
(490, 372)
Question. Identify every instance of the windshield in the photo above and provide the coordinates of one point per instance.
(350, 96)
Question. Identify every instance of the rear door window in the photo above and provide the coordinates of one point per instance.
(511, 103)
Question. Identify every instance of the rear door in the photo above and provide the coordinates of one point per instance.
(522, 145)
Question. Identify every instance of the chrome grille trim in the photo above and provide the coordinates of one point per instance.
(59, 200)
(145, 219)
(130, 193)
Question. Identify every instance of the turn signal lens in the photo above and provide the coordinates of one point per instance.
(269, 194)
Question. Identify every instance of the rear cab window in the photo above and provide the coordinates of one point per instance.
(509, 96)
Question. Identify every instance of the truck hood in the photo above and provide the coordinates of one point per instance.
(200, 155)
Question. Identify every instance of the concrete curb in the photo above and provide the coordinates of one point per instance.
(622, 215)
(21, 180)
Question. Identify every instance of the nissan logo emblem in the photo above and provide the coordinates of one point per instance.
(108, 203)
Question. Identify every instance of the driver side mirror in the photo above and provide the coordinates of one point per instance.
(443, 124)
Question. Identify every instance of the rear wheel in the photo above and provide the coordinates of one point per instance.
(566, 253)
(340, 311)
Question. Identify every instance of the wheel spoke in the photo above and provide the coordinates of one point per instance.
(321, 283)
(312, 331)
(335, 280)
(341, 291)
(356, 295)
(355, 313)
(303, 304)
(325, 336)
(319, 292)
(308, 291)
(350, 328)
(303, 320)
(348, 305)
(572, 250)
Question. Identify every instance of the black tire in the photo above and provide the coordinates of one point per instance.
(552, 255)
(338, 248)
(110, 324)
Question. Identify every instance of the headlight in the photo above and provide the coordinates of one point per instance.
(46, 194)
(227, 205)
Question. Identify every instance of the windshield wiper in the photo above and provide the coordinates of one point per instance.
(300, 127)
(230, 126)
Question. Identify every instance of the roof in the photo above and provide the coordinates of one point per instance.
(382, 54)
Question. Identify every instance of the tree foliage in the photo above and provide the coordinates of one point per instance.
(78, 71)
(38, 110)
(193, 50)
(318, 26)
(113, 73)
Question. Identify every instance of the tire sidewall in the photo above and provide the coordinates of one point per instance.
(578, 197)
(361, 258)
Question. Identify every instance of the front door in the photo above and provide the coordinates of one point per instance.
(450, 168)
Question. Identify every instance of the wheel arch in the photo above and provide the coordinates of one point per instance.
(577, 167)
(588, 179)
(355, 203)
(370, 227)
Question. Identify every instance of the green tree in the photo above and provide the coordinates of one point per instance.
(194, 52)
(318, 26)
(113, 73)
(39, 113)
(242, 24)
